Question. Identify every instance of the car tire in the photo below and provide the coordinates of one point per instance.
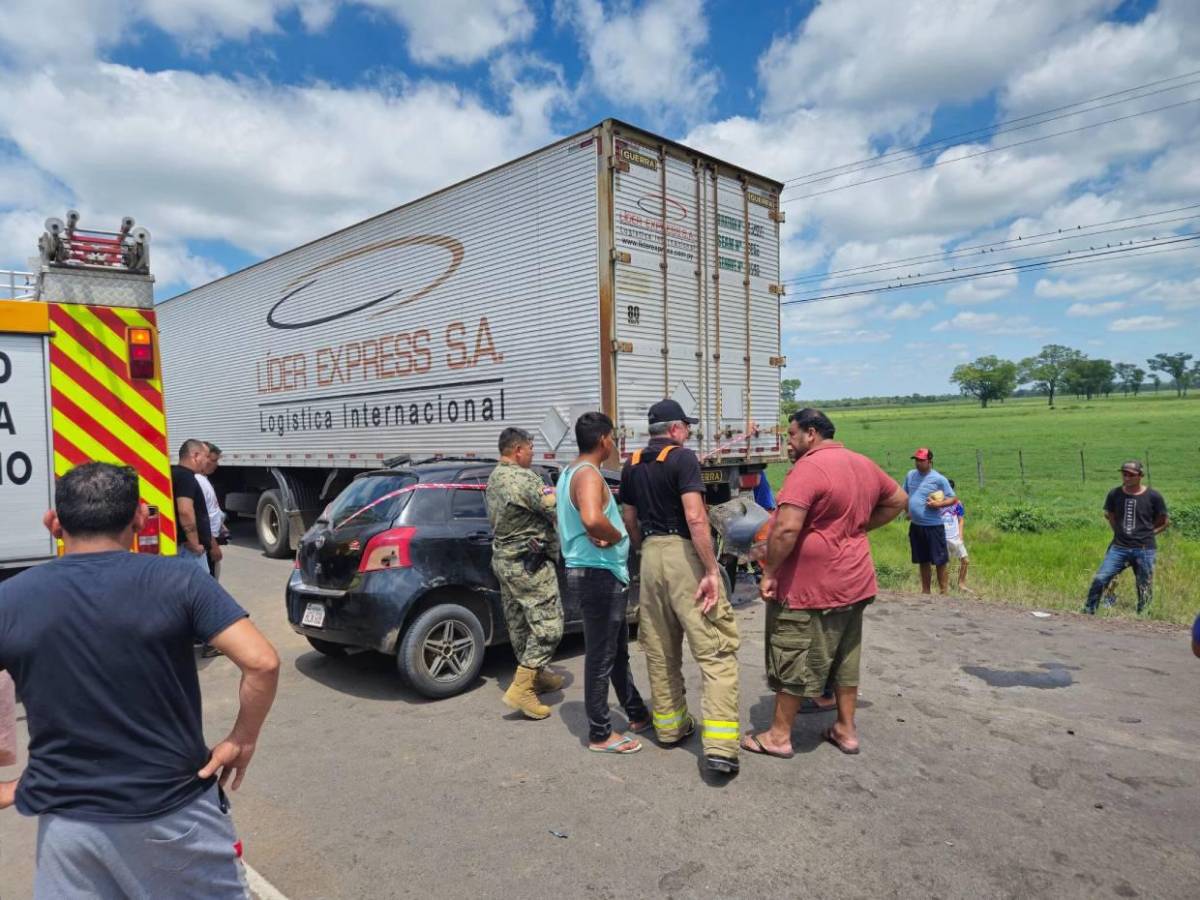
(272, 526)
(328, 648)
(442, 651)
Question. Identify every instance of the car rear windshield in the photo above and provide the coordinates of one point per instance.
(370, 500)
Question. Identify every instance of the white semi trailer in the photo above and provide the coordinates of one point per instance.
(606, 271)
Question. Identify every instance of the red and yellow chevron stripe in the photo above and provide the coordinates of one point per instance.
(100, 413)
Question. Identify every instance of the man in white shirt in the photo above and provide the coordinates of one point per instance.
(216, 517)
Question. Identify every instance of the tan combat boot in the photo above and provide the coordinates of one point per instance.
(547, 682)
(520, 695)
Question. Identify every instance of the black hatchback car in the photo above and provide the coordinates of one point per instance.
(400, 562)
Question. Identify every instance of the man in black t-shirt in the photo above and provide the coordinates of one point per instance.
(1136, 514)
(191, 510)
(127, 793)
(681, 595)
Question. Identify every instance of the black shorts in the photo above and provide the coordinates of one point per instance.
(928, 543)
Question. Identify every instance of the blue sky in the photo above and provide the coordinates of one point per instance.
(235, 129)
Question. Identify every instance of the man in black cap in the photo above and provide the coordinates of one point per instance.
(682, 593)
(1136, 514)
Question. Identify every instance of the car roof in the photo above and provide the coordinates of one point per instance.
(447, 468)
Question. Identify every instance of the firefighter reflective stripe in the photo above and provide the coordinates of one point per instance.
(637, 457)
(100, 413)
(671, 720)
(718, 730)
(664, 453)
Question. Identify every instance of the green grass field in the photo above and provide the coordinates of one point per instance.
(1051, 568)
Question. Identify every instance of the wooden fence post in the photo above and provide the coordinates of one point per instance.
(1021, 461)
(1148, 467)
(1082, 466)
(979, 466)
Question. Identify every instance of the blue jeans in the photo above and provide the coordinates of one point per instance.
(603, 600)
(1116, 560)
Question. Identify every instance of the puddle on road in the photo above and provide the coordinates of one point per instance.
(1051, 676)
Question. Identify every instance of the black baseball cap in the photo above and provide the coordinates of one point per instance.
(669, 411)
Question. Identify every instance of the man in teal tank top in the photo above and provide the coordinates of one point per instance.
(595, 551)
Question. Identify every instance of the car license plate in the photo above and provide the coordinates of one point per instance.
(314, 615)
(712, 476)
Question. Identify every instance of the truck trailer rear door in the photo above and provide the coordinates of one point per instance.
(26, 484)
(696, 298)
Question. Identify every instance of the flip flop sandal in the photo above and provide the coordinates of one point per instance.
(615, 747)
(760, 748)
(827, 734)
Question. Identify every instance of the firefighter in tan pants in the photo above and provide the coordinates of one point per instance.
(682, 594)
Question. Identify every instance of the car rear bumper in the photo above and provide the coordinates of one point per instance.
(371, 616)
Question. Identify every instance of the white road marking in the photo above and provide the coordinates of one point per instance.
(259, 886)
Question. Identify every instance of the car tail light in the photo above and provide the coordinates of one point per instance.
(140, 342)
(749, 481)
(388, 550)
(147, 538)
(296, 561)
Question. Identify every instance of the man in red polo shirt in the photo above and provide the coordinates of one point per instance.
(818, 577)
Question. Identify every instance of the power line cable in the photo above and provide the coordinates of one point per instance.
(999, 127)
(944, 162)
(892, 282)
(988, 249)
(1059, 262)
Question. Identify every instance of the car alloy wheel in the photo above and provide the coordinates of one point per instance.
(448, 650)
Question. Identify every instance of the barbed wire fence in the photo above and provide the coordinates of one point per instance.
(1019, 469)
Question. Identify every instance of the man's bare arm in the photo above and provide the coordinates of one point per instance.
(789, 522)
(888, 509)
(253, 654)
(590, 495)
(697, 520)
(1161, 524)
(187, 524)
(629, 517)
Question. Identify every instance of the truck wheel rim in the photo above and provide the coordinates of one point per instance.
(447, 651)
(270, 525)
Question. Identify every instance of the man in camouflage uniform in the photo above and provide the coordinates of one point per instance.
(521, 509)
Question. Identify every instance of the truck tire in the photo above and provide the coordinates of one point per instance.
(442, 651)
(272, 524)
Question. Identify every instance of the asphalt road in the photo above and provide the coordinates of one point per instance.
(1004, 755)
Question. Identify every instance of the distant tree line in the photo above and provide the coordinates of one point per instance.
(1058, 369)
(788, 403)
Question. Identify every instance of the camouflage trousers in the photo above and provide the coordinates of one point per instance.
(532, 611)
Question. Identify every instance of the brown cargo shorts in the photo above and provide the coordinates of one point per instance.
(807, 648)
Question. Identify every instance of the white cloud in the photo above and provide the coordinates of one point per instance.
(1091, 310)
(983, 290)
(839, 369)
(444, 31)
(1177, 295)
(1143, 323)
(908, 310)
(991, 323)
(457, 31)
(1090, 288)
(173, 264)
(263, 167)
(648, 57)
(880, 54)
